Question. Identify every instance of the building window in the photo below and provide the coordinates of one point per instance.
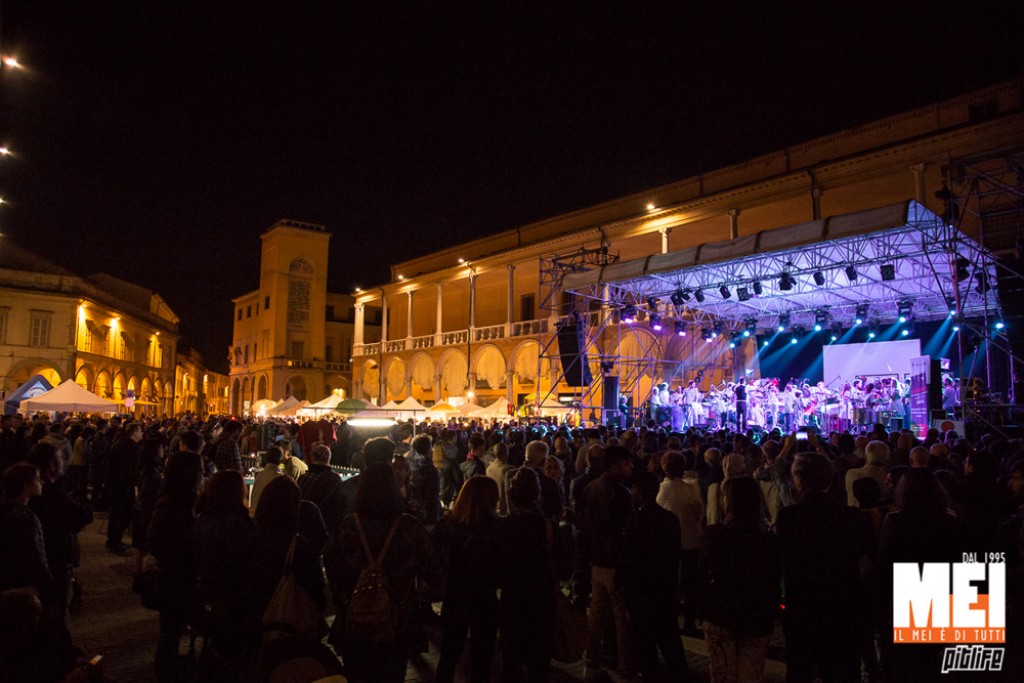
(348, 350)
(266, 339)
(329, 352)
(266, 302)
(246, 361)
(40, 330)
(257, 308)
(527, 304)
(3, 325)
(248, 311)
(254, 356)
(122, 347)
(239, 312)
(330, 312)
(298, 350)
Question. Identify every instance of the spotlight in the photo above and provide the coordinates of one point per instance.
(724, 291)
(629, 314)
(820, 319)
(785, 282)
(956, 327)
(766, 341)
(904, 310)
(837, 330)
(904, 332)
(743, 294)
(851, 273)
(872, 331)
(819, 278)
(679, 296)
(655, 321)
(707, 334)
(751, 328)
(680, 328)
(999, 325)
(962, 273)
(717, 328)
(861, 315)
(952, 308)
(699, 296)
(793, 339)
(734, 340)
(784, 322)
(652, 303)
(888, 272)
(757, 288)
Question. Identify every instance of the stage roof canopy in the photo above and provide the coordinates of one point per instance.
(883, 259)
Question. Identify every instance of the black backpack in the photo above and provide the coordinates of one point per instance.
(371, 616)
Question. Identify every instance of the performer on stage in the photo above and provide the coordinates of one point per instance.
(675, 400)
(693, 405)
(740, 391)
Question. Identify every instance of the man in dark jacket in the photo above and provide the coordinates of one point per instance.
(61, 518)
(322, 486)
(648, 575)
(607, 504)
(227, 454)
(822, 542)
(124, 460)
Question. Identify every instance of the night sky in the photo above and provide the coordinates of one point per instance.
(156, 141)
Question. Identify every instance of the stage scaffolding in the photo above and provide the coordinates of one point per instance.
(875, 265)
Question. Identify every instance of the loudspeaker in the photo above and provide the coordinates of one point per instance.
(610, 394)
(574, 361)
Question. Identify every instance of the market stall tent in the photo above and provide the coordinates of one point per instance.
(69, 397)
(35, 386)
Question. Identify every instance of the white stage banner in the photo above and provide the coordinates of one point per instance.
(847, 361)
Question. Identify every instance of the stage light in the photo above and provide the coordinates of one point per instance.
(655, 322)
(819, 278)
(652, 303)
(766, 342)
(680, 328)
(629, 314)
(699, 296)
(746, 333)
(888, 272)
(743, 294)
(837, 330)
(820, 319)
(751, 329)
(999, 325)
(707, 334)
(717, 328)
(872, 332)
(956, 327)
(733, 340)
(724, 291)
(793, 339)
(952, 308)
(861, 315)
(851, 273)
(783, 322)
(904, 332)
(679, 296)
(962, 273)
(904, 310)
(785, 282)
(757, 288)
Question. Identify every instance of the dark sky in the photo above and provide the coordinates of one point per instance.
(156, 141)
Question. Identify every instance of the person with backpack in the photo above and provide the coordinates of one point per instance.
(373, 565)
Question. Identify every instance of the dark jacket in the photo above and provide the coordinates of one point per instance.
(61, 518)
(322, 486)
(470, 557)
(740, 578)
(409, 559)
(648, 570)
(220, 552)
(526, 609)
(22, 550)
(607, 504)
(171, 540)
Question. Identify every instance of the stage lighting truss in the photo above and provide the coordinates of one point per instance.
(925, 252)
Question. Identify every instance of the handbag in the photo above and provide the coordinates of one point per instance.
(292, 609)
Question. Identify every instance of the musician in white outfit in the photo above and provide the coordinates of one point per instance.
(692, 402)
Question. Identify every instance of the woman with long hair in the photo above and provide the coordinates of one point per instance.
(378, 515)
(467, 540)
(171, 540)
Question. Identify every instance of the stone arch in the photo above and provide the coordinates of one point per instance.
(133, 384)
(120, 386)
(104, 387)
(489, 363)
(296, 387)
(246, 393)
(371, 379)
(300, 265)
(236, 397)
(23, 371)
(168, 401)
(394, 376)
(422, 370)
(85, 377)
(337, 383)
(146, 389)
(453, 368)
(261, 388)
(636, 345)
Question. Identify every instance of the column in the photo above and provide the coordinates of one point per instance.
(511, 298)
(440, 316)
(472, 300)
(734, 224)
(408, 386)
(383, 319)
(665, 232)
(408, 320)
(471, 377)
(358, 335)
(510, 390)
(437, 384)
(919, 185)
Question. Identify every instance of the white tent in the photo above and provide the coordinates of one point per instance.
(411, 404)
(285, 407)
(263, 406)
(69, 397)
(469, 410)
(441, 411)
(498, 410)
(326, 405)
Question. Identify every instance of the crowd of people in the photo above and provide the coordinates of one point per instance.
(730, 533)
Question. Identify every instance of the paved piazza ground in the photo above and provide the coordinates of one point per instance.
(111, 622)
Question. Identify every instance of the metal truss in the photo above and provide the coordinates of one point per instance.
(923, 255)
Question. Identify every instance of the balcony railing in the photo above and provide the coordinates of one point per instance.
(424, 342)
(525, 328)
(366, 349)
(395, 346)
(338, 367)
(450, 338)
(489, 333)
